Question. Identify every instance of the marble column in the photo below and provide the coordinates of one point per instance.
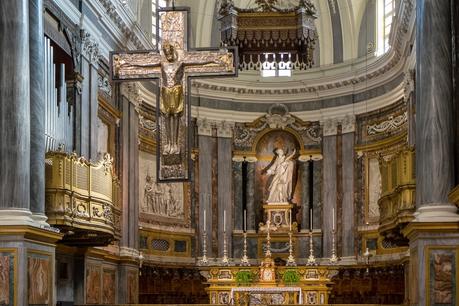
(306, 205)
(37, 112)
(251, 205)
(89, 102)
(14, 113)
(130, 169)
(224, 183)
(410, 101)
(237, 192)
(329, 184)
(434, 112)
(348, 131)
(205, 182)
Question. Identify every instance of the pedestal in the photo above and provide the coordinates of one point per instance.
(434, 253)
(279, 215)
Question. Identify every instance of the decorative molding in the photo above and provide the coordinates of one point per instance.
(409, 84)
(388, 125)
(132, 93)
(348, 124)
(330, 127)
(308, 157)
(225, 129)
(104, 85)
(238, 158)
(204, 127)
(350, 77)
(89, 47)
(279, 120)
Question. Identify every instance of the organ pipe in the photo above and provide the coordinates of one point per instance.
(58, 112)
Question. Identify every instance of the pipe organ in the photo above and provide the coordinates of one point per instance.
(58, 111)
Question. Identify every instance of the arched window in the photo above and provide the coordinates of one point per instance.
(385, 12)
(155, 5)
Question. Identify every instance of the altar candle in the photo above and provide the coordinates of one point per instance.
(245, 220)
(333, 219)
(310, 219)
(224, 220)
(290, 217)
(204, 219)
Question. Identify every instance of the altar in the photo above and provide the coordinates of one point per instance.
(225, 287)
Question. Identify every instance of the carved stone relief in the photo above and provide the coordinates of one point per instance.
(374, 188)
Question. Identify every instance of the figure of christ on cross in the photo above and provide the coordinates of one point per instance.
(172, 66)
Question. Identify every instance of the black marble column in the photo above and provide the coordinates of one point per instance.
(251, 213)
(305, 193)
(37, 110)
(434, 111)
(14, 105)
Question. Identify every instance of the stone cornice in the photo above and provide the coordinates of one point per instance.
(324, 82)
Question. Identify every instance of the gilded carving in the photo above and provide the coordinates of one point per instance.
(39, 273)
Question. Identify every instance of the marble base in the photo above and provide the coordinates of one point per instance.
(16, 217)
(437, 213)
(40, 220)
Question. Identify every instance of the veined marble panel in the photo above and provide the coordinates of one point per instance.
(39, 274)
(6, 279)
(93, 278)
(109, 285)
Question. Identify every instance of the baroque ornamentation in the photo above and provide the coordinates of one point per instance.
(388, 125)
(89, 47)
(104, 85)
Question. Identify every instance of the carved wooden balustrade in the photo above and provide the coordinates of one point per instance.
(83, 199)
(397, 201)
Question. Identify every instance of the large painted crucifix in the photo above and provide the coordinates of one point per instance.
(173, 65)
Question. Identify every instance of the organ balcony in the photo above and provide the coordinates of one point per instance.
(83, 199)
(397, 202)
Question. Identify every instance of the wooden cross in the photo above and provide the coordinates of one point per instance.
(173, 65)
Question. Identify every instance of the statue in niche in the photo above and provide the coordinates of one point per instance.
(280, 188)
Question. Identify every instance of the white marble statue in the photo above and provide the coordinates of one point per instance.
(280, 188)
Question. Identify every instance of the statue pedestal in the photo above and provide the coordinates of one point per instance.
(278, 214)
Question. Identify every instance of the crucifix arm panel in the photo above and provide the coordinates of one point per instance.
(136, 65)
(209, 62)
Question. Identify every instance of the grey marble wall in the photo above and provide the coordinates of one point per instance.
(37, 108)
(14, 105)
(348, 195)
(434, 108)
(317, 201)
(225, 192)
(205, 188)
(329, 191)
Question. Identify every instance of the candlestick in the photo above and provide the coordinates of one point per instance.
(245, 259)
(225, 259)
(204, 259)
(268, 240)
(204, 218)
(291, 259)
(245, 220)
(333, 219)
(333, 258)
(311, 258)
